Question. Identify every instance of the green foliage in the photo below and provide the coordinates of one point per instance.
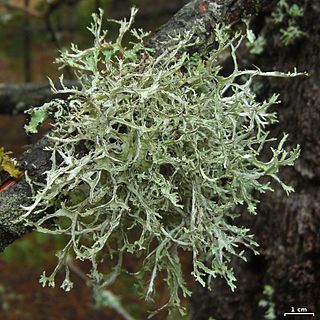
(267, 303)
(288, 15)
(152, 158)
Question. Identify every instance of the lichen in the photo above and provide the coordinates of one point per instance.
(287, 15)
(267, 303)
(255, 44)
(153, 157)
(8, 164)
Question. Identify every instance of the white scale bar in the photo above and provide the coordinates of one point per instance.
(299, 314)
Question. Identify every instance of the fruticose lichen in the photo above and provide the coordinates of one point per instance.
(153, 156)
(288, 15)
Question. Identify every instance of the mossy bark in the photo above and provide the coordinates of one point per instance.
(35, 161)
(287, 228)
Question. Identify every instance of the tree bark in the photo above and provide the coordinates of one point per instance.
(287, 228)
(16, 98)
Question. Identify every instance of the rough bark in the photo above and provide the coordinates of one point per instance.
(35, 161)
(202, 17)
(287, 228)
(16, 98)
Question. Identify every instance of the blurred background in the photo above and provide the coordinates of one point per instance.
(32, 32)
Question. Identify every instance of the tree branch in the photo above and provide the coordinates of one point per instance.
(201, 16)
(16, 98)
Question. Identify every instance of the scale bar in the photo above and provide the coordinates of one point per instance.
(299, 314)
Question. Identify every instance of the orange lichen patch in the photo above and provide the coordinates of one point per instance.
(203, 7)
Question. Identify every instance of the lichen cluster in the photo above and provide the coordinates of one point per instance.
(153, 156)
(287, 15)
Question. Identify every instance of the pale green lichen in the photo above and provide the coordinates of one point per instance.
(39, 115)
(288, 16)
(267, 303)
(152, 158)
(255, 44)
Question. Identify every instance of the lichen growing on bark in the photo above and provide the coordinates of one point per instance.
(152, 158)
(10, 231)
